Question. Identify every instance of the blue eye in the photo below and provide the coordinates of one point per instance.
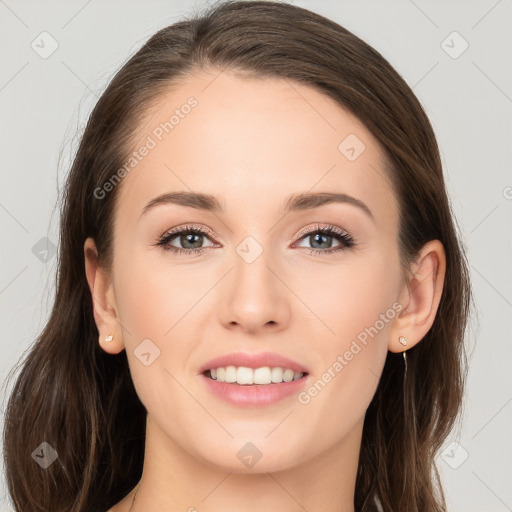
(191, 239)
(320, 234)
(188, 235)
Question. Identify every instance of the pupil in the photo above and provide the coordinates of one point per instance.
(189, 238)
(320, 236)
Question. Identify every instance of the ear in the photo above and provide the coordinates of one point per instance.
(105, 311)
(419, 297)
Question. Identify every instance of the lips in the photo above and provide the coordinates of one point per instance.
(254, 361)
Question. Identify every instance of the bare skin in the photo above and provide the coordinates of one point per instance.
(252, 143)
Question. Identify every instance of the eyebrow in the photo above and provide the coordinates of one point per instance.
(295, 202)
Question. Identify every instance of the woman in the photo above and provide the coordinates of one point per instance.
(261, 297)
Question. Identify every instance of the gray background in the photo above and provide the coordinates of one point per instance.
(468, 98)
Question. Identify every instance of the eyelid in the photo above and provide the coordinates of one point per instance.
(318, 227)
(347, 240)
(303, 232)
(191, 227)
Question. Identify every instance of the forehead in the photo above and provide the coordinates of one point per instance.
(250, 142)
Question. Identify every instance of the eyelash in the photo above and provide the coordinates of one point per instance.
(347, 241)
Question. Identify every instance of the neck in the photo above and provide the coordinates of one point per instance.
(174, 480)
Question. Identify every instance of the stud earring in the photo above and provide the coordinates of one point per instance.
(109, 338)
(402, 340)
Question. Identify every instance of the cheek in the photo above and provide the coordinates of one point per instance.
(154, 296)
(348, 298)
(156, 307)
(358, 304)
(155, 303)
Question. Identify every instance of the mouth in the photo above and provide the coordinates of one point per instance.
(245, 376)
(254, 388)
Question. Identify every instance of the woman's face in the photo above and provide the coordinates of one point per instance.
(265, 281)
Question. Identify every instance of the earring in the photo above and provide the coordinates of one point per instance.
(109, 338)
(403, 341)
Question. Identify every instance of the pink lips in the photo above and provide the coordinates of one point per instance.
(253, 361)
(258, 395)
(255, 395)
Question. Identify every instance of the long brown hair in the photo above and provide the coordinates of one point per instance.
(81, 401)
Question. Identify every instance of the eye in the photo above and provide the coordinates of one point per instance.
(321, 237)
(189, 237)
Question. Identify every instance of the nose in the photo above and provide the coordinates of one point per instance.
(254, 297)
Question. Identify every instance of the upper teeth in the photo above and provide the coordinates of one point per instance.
(263, 375)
